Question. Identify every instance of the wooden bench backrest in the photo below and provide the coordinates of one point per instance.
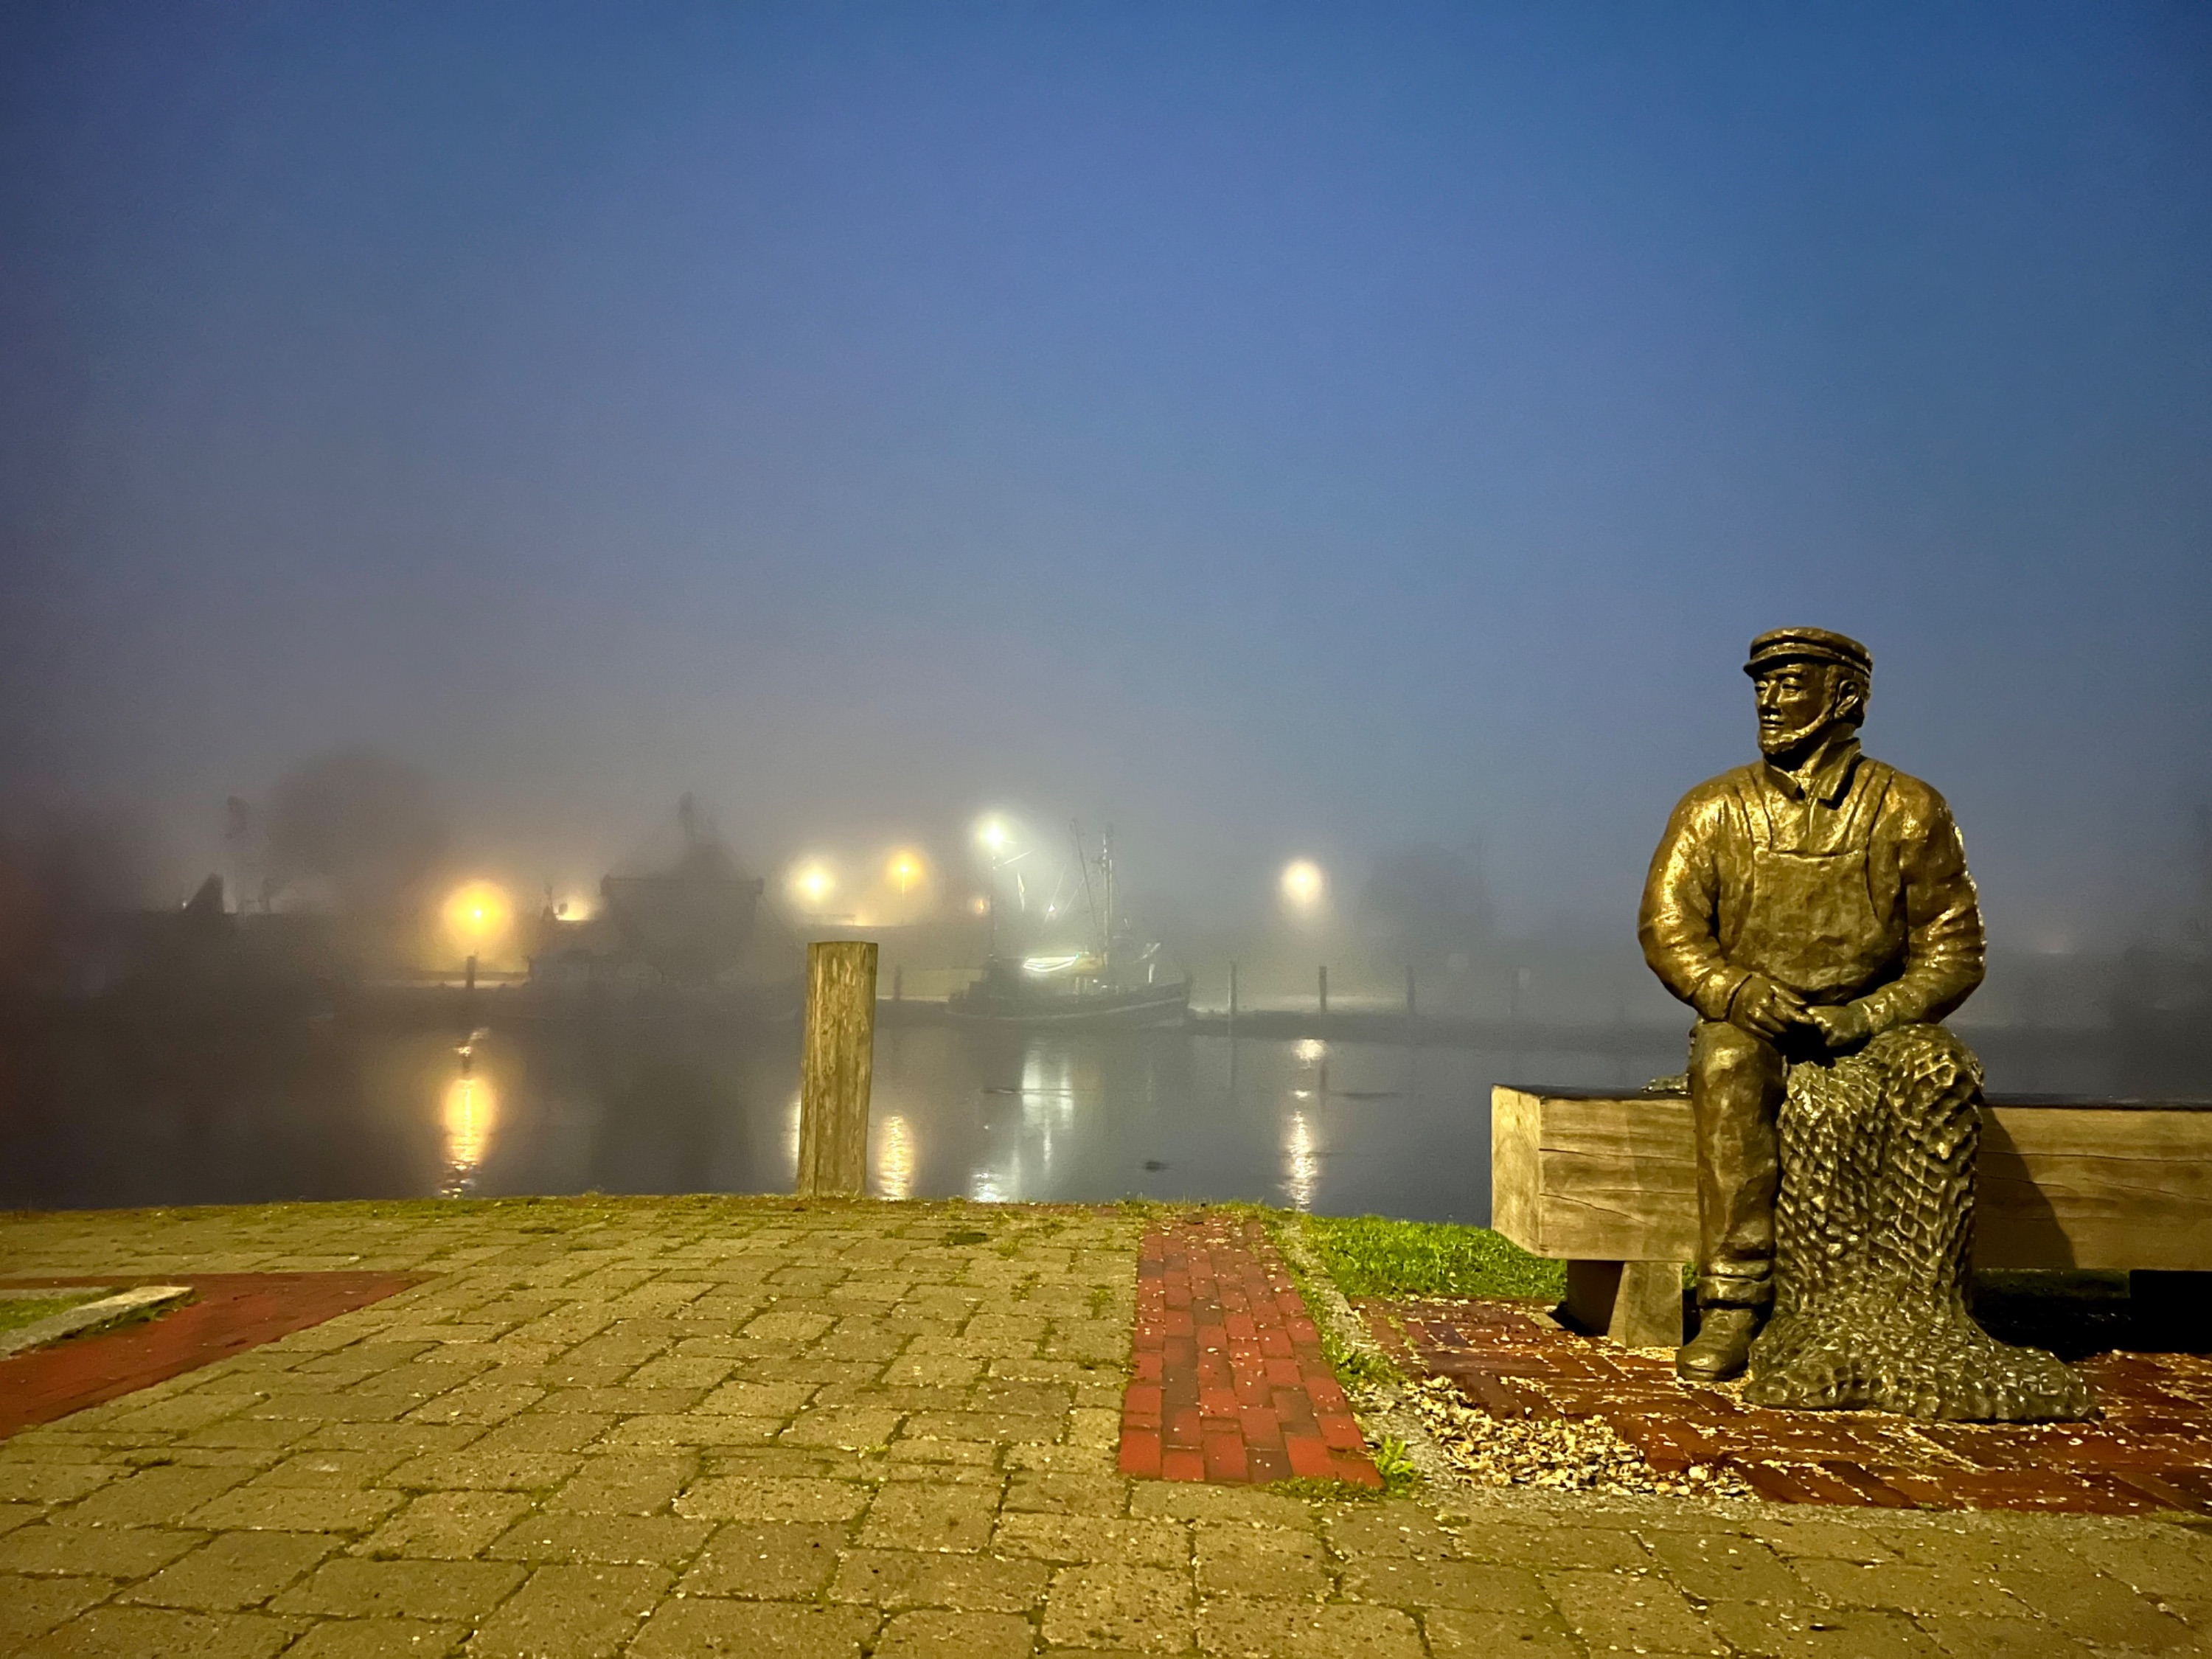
(2063, 1183)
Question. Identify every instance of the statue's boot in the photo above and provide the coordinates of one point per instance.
(1720, 1348)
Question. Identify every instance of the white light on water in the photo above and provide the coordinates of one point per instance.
(895, 1158)
(1301, 1163)
(471, 1112)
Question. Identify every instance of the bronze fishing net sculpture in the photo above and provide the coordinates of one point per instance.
(1814, 908)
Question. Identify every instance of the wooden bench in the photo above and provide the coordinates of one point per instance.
(1608, 1182)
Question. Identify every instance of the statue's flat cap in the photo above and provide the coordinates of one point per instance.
(1807, 645)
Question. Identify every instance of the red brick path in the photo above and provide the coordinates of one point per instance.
(1230, 1385)
(2152, 1449)
(229, 1314)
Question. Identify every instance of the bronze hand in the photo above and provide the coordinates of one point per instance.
(1766, 1009)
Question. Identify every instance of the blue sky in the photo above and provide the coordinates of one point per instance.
(1281, 428)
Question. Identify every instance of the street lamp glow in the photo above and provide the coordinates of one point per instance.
(476, 913)
(993, 836)
(813, 884)
(1304, 886)
(903, 871)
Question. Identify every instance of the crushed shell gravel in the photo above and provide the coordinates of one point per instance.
(1580, 1455)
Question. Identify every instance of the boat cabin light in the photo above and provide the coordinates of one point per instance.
(1043, 966)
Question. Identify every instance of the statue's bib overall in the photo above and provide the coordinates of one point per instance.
(1812, 922)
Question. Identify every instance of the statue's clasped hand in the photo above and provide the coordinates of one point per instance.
(1766, 1009)
(1840, 1028)
(1773, 1011)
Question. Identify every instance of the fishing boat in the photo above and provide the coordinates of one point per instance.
(1114, 982)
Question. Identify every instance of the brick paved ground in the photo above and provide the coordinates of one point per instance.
(1227, 1383)
(230, 1313)
(693, 1427)
(2151, 1450)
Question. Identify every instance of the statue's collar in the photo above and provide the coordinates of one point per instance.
(1824, 778)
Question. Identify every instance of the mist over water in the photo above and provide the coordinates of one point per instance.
(1344, 450)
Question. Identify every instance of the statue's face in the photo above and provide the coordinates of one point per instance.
(1797, 701)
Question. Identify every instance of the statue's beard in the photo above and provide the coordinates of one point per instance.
(1773, 744)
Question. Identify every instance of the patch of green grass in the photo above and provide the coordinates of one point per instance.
(1372, 1255)
(1355, 1368)
(1315, 1489)
(17, 1312)
(1395, 1465)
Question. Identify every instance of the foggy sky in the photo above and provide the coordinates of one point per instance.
(1282, 429)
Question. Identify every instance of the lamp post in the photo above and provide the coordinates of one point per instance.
(993, 835)
(477, 914)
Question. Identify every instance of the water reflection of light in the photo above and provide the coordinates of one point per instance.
(471, 1113)
(1049, 1092)
(1027, 1142)
(894, 1159)
(1301, 1162)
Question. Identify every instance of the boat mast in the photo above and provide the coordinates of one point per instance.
(1106, 864)
(1089, 899)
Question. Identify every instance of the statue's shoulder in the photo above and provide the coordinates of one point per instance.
(1911, 800)
(1712, 798)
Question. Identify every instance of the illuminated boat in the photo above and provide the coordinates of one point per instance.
(1050, 991)
(1116, 984)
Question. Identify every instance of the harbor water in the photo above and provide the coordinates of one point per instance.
(95, 1117)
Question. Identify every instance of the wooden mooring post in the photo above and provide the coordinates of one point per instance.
(836, 1068)
(1324, 990)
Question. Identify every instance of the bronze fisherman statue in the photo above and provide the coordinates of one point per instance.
(1815, 910)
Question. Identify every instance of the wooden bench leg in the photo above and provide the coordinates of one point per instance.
(1638, 1304)
(2175, 1304)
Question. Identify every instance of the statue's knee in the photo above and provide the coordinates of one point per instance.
(1723, 1054)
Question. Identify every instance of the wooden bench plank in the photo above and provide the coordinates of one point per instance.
(2095, 1187)
(1581, 1175)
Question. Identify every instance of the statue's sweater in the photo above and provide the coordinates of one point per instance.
(1847, 884)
